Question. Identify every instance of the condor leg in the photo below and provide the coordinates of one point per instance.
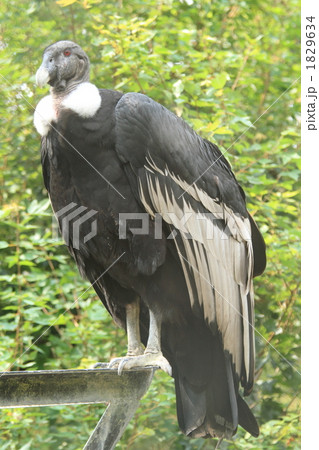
(134, 344)
(152, 355)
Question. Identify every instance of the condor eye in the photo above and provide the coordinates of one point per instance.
(66, 53)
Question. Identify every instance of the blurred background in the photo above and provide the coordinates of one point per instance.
(231, 70)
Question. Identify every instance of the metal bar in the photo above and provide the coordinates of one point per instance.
(112, 425)
(69, 387)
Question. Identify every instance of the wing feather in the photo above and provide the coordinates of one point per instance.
(218, 260)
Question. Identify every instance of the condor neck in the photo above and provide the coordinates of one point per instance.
(82, 98)
(60, 92)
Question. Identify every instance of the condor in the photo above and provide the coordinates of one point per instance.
(181, 286)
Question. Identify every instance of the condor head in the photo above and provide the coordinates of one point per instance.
(64, 66)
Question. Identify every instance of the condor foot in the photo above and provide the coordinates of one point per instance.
(132, 352)
(145, 360)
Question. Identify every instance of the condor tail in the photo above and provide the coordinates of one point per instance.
(207, 398)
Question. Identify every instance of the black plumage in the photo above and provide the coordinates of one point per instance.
(185, 283)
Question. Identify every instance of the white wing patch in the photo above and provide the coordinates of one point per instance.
(44, 115)
(85, 100)
(219, 261)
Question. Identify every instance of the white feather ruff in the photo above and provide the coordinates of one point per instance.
(85, 100)
(44, 115)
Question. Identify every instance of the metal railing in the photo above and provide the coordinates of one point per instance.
(69, 387)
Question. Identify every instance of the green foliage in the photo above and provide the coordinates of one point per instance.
(231, 70)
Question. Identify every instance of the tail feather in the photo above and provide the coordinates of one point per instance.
(201, 412)
(210, 408)
(199, 416)
(246, 418)
(191, 406)
(207, 399)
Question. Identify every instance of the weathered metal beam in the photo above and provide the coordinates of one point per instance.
(69, 387)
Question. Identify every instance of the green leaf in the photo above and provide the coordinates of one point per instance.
(219, 80)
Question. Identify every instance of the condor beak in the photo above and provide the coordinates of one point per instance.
(42, 76)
